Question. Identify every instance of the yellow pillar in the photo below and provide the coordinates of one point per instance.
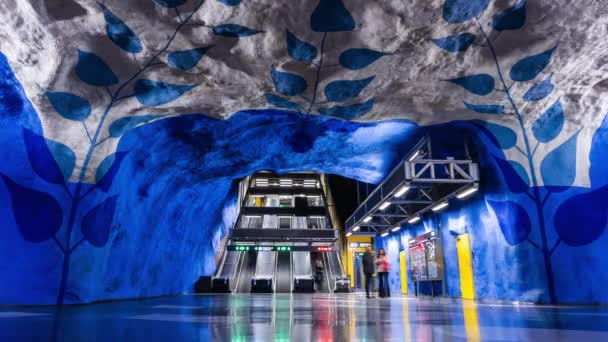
(465, 264)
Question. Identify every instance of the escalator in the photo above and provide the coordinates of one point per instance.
(322, 280)
(303, 279)
(246, 272)
(264, 272)
(339, 281)
(224, 280)
(283, 273)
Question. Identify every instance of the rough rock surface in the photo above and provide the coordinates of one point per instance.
(42, 39)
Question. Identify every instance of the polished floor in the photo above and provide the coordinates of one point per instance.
(344, 317)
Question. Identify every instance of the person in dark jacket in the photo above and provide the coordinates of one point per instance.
(368, 270)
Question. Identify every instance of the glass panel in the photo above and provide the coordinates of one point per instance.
(317, 222)
(284, 222)
(270, 221)
(286, 202)
(272, 201)
(314, 201)
(251, 222)
(300, 222)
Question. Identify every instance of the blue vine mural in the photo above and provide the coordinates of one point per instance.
(55, 162)
(329, 16)
(557, 169)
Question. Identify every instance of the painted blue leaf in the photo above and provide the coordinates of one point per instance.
(355, 59)
(41, 158)
(152, 93)
(64, 156)
(331, 16)
(96, 224)
(170, 3)
(299, 49)
(120, 33)
(513, 220)
(540, 91)
(548, 126)
(558, 169)
(188, 59)
(528, 68)
(598, 155)
(233, 30)
(481, 84)
(230, 2)
(343, 90)
(504, 136)
(512, 18)
(486, 109)
(93, 70)
(459, 11)
(106, 180)
(455, 43)
(350, 112)
(104, 166)
(280, 102)
(583, 218)
(287, 83)
(70, 106)
(37, 214)
(120, 126)
(514, 174)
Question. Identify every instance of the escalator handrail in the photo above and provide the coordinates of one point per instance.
(327, 269)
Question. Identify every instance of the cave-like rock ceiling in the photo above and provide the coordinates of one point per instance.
(536, 63)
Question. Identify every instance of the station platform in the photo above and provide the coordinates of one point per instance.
(303, 317)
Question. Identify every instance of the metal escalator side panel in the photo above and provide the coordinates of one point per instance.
(328, 274)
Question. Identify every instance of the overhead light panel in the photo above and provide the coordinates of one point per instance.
(349, 234)
(467, 192)
(356, 229)
(414, 219)
(395, 229)
(367, 219)
(385, 205)
(439, 206)
(414, 156)
(402, 191)
(385, 234)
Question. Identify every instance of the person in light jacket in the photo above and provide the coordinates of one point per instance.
(382, 263)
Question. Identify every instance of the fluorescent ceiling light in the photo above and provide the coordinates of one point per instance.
(385, 205)
(401, 191)
(356, 229)
(349, 234)
(439, 206)
(414, 156)
(467, 192)
(395, 229)
(385, 234)
(367, 219)
(414, 219)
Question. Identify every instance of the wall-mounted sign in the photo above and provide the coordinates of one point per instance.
(426, 257)
(359, 245)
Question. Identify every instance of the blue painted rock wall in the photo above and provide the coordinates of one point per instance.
(175, 198)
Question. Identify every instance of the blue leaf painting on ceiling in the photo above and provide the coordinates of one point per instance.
(54, 162)
(187, 59)
(455, 43)
(557, 168)
(327, 17)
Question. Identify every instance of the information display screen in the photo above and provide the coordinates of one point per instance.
(426, 257)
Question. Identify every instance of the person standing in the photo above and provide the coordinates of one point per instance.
(368, 270)
(382, 263)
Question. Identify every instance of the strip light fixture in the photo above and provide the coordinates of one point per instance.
(414, 219)
(395, 229)
(440, 206)
(402, 191)
(349, 234)
(414, 156)
(385, 234)
(384, 205)
(467, 192)
(356, 229)
(367, 219)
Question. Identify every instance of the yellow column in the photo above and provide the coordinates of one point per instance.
(403, 269)
(465, 264)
